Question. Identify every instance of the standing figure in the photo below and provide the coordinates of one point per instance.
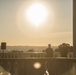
(49, 51)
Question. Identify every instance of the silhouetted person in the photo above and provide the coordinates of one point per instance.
(49, 51)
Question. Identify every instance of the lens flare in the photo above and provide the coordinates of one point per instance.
(37, 65)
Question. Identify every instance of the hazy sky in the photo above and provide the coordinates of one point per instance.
(16, 30)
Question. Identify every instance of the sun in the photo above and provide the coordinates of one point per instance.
(36, 13)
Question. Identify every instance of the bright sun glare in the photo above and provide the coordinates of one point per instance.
(36, 14)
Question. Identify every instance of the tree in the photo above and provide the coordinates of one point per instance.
(31, 50)
(64, 48)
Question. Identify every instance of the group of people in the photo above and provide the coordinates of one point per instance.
(49, 51)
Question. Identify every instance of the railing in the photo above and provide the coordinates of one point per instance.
(25, 64)
(22, 55)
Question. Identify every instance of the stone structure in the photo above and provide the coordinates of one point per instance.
(20, 63)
